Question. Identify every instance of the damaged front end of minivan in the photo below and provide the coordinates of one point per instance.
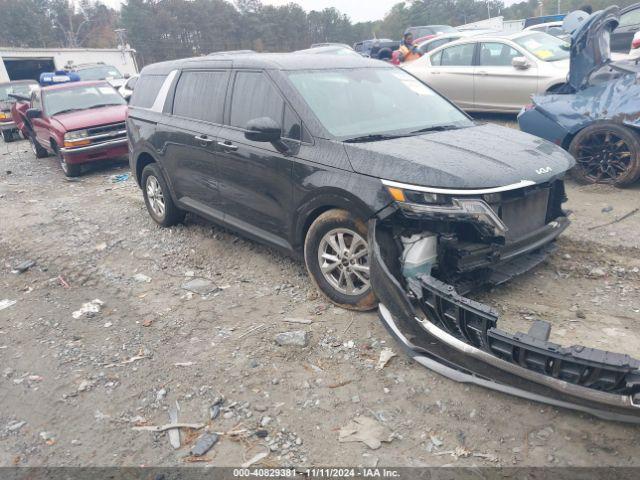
(428, 249)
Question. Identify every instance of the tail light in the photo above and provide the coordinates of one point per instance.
(636, 41)
(529, 106)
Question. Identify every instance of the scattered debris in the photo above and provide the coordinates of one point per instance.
(302, 321)
(161, 394)
(48, 437)
(256, 458)
(201, 286)
(184, 364)
(23, 267)
(619, 219)
(101, 247)
(15, 426)
(147, 322)
(123, 177)
(597, 272)
(366, 430)
(89, 309)
(298, 338)
(169, 426)
(385, 355)
(63, 282)
(204, 444)
(252, 330)
(214, 412)
(6, 303)
(174, 433)
(141, 278)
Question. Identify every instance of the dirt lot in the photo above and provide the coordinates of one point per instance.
(72, 389)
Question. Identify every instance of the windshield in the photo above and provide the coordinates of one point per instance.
(419, 32)
(18, 88)
(102, 72)
(80, 98)
(544, 46)
(368, 101)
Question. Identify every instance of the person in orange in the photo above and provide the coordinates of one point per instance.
(408, 52)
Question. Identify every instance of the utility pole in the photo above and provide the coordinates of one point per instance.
(559, 6)
(488, 11)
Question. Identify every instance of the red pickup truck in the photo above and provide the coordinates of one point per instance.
(78, 122)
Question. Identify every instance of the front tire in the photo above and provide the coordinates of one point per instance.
(69, 169)
(336, 254)
(606, 153)
(158, 198)
(37, 149)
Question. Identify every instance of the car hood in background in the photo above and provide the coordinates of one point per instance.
(92, 118)
(482, 156)
(590, 45)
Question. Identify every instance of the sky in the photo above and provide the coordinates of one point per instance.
(358, 10)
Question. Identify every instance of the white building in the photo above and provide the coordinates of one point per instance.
(29, 63)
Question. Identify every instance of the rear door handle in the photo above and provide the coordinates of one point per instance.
(203, 139)
(228, 146)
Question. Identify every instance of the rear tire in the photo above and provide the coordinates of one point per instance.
(336, 255)
(606, 153)
(158, 198)
(38, 151)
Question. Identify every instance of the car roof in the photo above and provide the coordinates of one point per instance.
(266, 61)
(69, 85)
(461, 34)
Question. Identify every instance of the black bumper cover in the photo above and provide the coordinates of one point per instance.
(460, 340)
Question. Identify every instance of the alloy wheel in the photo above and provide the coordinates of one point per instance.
(603, 157)
(343, 256)
(155, 196)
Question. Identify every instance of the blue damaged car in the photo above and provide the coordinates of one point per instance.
(596, 116)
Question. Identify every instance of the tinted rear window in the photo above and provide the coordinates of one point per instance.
(200, 95)
(146, 90)
(254, 96)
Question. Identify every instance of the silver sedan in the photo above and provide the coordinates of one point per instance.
(496, 73)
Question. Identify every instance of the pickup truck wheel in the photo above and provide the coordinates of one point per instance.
(158, 198)
(38, 151)
(70, 170)
(7, 136)
(336, 254)
(606, 153)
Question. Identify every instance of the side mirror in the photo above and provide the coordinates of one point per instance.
(127, 76)
(521, 63)
(263, 129)
(34, 113)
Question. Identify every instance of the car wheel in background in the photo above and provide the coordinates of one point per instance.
(38, 151)
(336, 254)
(7, 136)
(606, 153)
(158, 199)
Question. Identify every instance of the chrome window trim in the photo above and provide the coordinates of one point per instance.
(161, 98)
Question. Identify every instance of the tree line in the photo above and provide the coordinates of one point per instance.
(168, 29)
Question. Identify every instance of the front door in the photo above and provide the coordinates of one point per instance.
(498, 84)
(451, 73)
(191, 136)
(39, 126)
(255, 177)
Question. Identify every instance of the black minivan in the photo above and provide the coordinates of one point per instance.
(392, 194)
(302, 151)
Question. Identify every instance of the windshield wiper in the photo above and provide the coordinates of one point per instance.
(436, 128)
(66, 111)
(104, 105)
(376, 137)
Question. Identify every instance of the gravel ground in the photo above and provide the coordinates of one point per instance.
(74, 386)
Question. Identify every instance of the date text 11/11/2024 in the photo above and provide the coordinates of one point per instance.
(317, 473)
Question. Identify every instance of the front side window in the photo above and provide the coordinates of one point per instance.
(497, 54)
(367, 101)
(254, 96)
(201, 95)
(80, 98)
(544, 46)
(458, 55)
(102, 72)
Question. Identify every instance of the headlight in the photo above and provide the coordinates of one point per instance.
(76, 138)
(437, 204)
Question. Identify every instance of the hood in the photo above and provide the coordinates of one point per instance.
(482, 156)
(117, 82)
(591, 45)
(91, 118)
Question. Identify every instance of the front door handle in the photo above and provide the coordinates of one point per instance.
(228, 146)
(203, 139)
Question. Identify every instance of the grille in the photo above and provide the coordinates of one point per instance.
(105, 129)
(525, 214)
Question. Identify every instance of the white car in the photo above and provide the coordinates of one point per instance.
(426, 46)
(126, 90)
(552, 28)
(495, 73)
